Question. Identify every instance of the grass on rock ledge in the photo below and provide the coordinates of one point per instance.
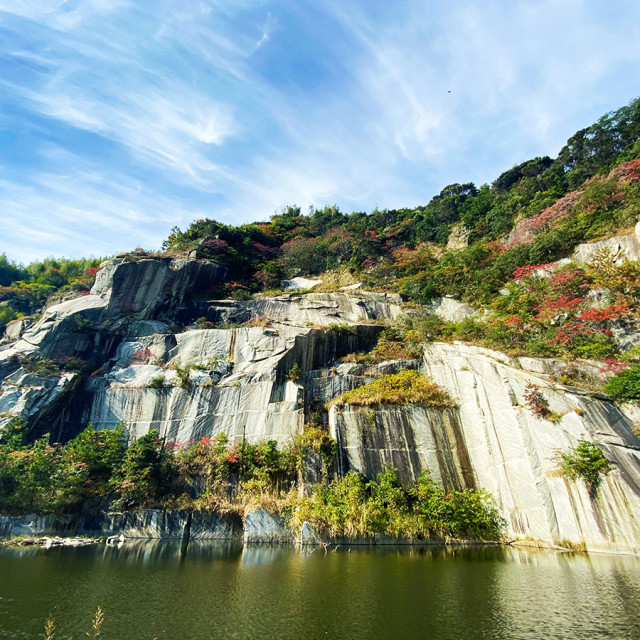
(405, 387)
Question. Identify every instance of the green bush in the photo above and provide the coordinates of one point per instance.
(7, 314)
(146, 473)
(83, 325)
(353, 507)
(41, 476)
(294, 373)
(42, 366)
(625, 385)
(157, 382)
(316, 439)
(184, 377)
(587, 462)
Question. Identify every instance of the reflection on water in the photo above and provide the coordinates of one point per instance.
(224, 590)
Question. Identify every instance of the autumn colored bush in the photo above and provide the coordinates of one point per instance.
(536, 402)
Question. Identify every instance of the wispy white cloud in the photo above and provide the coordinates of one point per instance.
(80, 212)
(63, 14)
(131, 117)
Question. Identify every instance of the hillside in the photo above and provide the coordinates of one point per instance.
(361, 375)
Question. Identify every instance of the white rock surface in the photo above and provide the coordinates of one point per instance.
(492, 441)
(324, 309)
(450, 309)
(23, 394)
(458, 237)
(513, 454)
(622, 248)
(262, 526)
(15, 329)
(295, 284)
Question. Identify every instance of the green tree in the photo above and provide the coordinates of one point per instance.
(146, 473)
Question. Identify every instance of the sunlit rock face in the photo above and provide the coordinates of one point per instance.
(620, 248)
(514, 455)
(493, 441)
(91, 327)
(257, 369)
(152, 374)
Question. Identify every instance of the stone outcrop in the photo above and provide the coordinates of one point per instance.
(450, 309)
(142, 524)
(458, 237)
(27, 395)
(240, 385)
(621, 248)
(295, 284)
(325, 309)
(493, 441)
(262, 526)
(124, 296)
(269, 362)
(124, 292)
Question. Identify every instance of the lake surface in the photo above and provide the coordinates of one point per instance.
(219, 590)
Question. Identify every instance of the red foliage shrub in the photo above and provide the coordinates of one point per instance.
(564, 302)
(531, 269)
(526, 230)
(143, 355)
(613, 367)
(627, 171)
(605, 314)
(263, 250)
(216, 245)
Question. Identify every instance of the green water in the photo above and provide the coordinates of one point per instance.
(210, 590)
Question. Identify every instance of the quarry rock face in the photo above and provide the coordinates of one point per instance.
(621, 248)
(492, 441)
(264, 364)
(514, 454)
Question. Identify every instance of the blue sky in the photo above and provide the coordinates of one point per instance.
(122, 118)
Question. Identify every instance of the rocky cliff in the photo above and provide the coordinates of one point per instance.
(162, 356)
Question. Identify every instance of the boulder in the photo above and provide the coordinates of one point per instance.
(262, 526)
(450, 309)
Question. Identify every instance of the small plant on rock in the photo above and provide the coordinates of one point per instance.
(83, 325)
(586, 461)
(537, 403)
(184, 377)
(157, 382)
(42, 366)
(203, 323)
(294, 373)
(405, 387)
